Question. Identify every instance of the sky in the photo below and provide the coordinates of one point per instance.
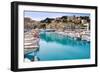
(36, 15)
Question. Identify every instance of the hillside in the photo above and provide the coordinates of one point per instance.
(59, 23)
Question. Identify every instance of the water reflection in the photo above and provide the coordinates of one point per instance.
(32, 56)
(61, 39)
(53, 46)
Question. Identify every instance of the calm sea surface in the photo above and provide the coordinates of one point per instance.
(58, 47)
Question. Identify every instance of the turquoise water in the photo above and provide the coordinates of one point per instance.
(58, 47)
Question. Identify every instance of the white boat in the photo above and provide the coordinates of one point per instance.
(26, 51)
(30, 43)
